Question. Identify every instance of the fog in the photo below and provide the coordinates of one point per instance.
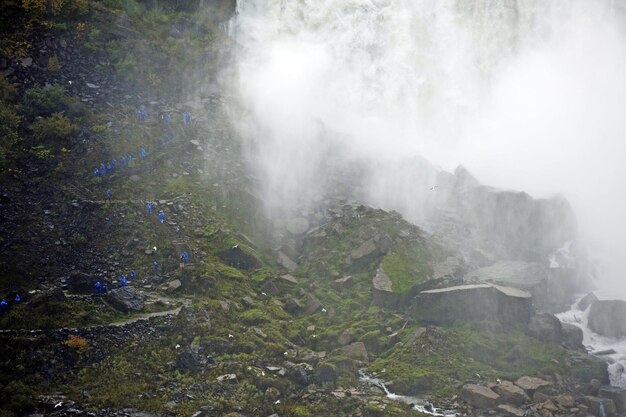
(529, 95)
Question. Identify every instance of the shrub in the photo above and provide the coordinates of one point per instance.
(56, 131)
(9, 136)
(8, 92)
(43, 101)
(78, 343)
(53, 63)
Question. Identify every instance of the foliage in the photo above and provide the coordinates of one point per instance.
(43, 101)
(8, 92)
(53, 63)
(9, 125)
(56, 131)
(78, 343)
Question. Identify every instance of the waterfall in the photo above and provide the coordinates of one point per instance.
(602, 412)
(527, 94)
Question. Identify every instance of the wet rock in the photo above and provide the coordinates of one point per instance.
(511, 393)
(81, 282)
(288, 279)
(286, 262)
(326, 373)
(54, 295)
(616, 394)
(531, 384)
(247, 301)
(126, 299)
(545, 327)
(189, 361)
(509, 410)
(451, 305)
(572, 336)
(238, 258)
(565, 400)
(595, 403)
(270, 288)
(608, 318)
(585, 367)
(586, 301)
(479, 396)
(293, 306)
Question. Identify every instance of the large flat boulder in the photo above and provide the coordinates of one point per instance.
(447, 306)
(511, 393)
(608, 318)
(479, 396)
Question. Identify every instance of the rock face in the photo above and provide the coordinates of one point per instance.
(608, 318)
(126, 299)
(451, 305)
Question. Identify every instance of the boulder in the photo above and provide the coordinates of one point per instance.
(572, 336)
(293, 306)
(616, 394)
(227, 379)
(312, 304)
(189, 361)
(288, 279)
(545, 327)
(479, 396)
(81, 282)
(344, 338)
(531, 384)
(126, 299)
(447, 306)
(509, 410)
(608, 318)
(238, 258)
(586, 301)
(286, 262)
(585, 367)
(595, 405)
(55, 295)
(511, 393)
(356, 350)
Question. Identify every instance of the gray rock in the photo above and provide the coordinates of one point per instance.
(479, 396)
(286, 262)
(344, 338)
(545, 327)
(462, 303)
(174, 285)
(312, 304)
(616, 394)
(594, 404)
(531, 384)
(356, 350)
(26, 62)
(288, 279)
(81, 282)
(238, 258)
(135, 178)
(293, 306)
(126, 299)
(509, 410)
(608, 318)
(586, 301)
(572, 336)
(511, 393)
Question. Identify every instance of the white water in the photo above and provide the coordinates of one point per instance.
(528, 94)
(596, 343)
(417, 403)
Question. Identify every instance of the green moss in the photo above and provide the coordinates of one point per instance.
(407, 266)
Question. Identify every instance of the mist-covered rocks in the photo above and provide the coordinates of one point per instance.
(453, 305)
(608, 318)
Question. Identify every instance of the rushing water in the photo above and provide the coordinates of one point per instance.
(611, 349)
(417, 403)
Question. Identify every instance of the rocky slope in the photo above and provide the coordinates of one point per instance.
(268, 317)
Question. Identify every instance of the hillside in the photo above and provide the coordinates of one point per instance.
(114, 112)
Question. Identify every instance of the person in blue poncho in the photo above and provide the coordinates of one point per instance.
(98, 287)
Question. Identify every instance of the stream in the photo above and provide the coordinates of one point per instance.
(418, 404)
